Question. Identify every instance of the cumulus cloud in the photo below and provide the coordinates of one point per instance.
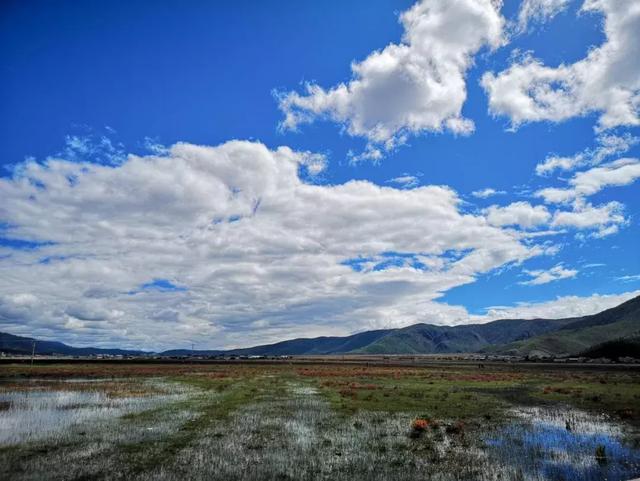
(608, 145)
(583, 184)
(562, 307)
(618, 173)
(606, 81)
(539, 11)
(555, 195)
(410, 87)
(486, 193)
(258, 254)
(543, 276)
(606, 218)
(520, 214)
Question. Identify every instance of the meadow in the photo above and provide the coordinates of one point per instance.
(289, 421)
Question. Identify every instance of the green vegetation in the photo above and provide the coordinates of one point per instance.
(575, 341)
(582, 334)
(425, 338)
(214, 400)
(618, 348)
(432, 399)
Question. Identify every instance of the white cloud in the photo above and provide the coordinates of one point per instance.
(583, 184)
(629, 278)
(259, 254)
(562, 307)
(554, 162)
(486, 193)
(521, 214)
(539, 11)
(555, 273)
(606, 218)
(618, 173)
(608, 145)
(411, 87)
(606, 81)
(93, 147)
(555, 195)
(405, 180)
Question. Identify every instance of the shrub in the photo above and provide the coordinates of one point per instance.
(456, 428)
(418, 426)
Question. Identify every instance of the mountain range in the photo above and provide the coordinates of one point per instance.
(597, 333)
(24, 345)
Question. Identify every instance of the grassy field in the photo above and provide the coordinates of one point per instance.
(254, 422)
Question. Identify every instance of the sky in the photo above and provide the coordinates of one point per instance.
(231, 173)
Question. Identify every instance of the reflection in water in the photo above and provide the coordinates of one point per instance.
(41, 413)
(564, 444)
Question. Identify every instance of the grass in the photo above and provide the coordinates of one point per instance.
(618, 397)
(435, 399)
(217, 397)
(470, 393)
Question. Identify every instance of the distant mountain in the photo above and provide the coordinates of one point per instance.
(509, 336)
(582, 333)
(24, 345)
(522, 337)
(189, 352)
(317, 345)
(430, 339)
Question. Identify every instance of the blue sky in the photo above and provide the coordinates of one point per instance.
(424, 117)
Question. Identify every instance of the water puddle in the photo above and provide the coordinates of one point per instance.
(37, 412)
(304, 390)
(564, 445)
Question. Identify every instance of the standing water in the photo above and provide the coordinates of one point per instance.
(564, 444)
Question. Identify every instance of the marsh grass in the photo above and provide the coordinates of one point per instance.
(295, 435)
(251, 422)
(298, 436)
(38, 410)
(50, 433)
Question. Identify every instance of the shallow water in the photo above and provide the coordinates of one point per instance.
(564, 444)
(39, 413)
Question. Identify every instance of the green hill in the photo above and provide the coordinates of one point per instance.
(625, 347)
(580, 334)
(427, 339)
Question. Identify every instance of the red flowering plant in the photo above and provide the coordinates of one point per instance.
(418, 426)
